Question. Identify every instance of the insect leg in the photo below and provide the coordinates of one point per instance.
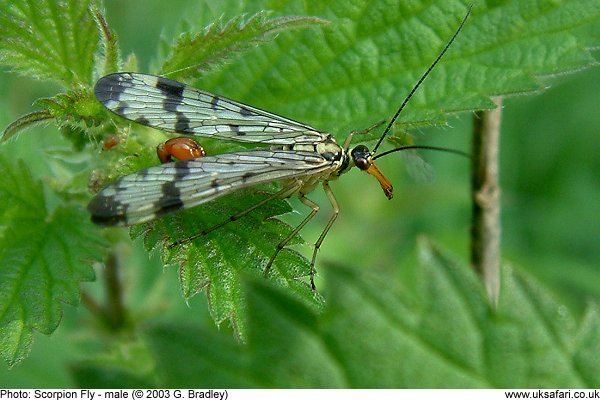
(365, 131)
(315, 209)
(336, 211)
(287, 189)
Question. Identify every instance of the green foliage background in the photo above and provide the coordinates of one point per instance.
(427, 319)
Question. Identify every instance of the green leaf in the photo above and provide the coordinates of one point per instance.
(53, 40)
(26, 121)
(218, 261)
(209, 360)
(587, 343)
(75, 110)
(109, 43)
(378, 334)
(128, 365)
(44, 255)
(293, 357)
(195, 52)
(358, 69)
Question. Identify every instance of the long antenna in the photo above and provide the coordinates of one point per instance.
(414, 89)
(422, 147)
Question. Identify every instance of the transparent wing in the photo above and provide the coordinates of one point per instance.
(153, 192)
(417, 167)
(175, 107)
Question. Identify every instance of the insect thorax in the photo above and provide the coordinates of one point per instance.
(338, 159)
(330, 151)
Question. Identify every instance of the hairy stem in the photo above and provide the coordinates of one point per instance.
(485, 191)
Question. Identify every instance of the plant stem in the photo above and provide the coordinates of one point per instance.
(113, 313)
(485, 191)
(115, 308)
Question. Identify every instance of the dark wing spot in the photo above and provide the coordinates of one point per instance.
(170, 88)
(142, 120)
(170, 200)
(165, 209)
(182, 123)
(245, 111)
(112, 220)
(107, 211)
(183, 169)
(121, 109)
(111, 87)
(170, 190)
(236, 129)
(142, 173)
(171, 105)
(247, 175)
(214, 103)
(173, 92)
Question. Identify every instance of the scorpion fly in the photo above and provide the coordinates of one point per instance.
(294, 154)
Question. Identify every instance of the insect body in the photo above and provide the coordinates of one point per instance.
(294, 154)
(297, 154)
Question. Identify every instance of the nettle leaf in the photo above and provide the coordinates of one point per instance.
(194, 52)
(443, 335)
(54, 40)
(24, 122)
(111, 56)
(217, 261)
(44, 255)
(358, 69)
(75, 110)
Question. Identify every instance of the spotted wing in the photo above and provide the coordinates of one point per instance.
(175, 107)
(153, 192)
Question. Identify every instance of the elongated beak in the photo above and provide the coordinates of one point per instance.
(385, 183)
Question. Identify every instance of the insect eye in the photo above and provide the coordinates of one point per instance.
(362, 157)
(362, 163)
